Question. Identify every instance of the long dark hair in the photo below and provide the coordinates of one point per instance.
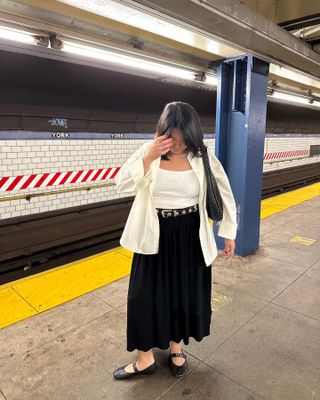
(185, 118)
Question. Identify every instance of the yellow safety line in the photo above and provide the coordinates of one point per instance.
(279, 203)
(29, 296)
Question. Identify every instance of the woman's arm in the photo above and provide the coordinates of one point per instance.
(135, 173)
(230, 246)
(132, 174)
(228, 224)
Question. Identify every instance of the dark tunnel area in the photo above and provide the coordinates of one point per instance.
(32, 88)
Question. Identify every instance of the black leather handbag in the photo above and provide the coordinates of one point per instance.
(214, 201)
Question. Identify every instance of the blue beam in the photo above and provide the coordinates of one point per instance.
(239, 144)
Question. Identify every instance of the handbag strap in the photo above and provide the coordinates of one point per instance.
(211, 181)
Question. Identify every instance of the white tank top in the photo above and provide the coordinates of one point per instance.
(176, 189)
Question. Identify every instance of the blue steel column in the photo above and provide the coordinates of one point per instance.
(239, 141)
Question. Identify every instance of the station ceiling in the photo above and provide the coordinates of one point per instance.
(299, 17)
(280, 11)
(195, 33)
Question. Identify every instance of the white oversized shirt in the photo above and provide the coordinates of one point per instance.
(141, 232)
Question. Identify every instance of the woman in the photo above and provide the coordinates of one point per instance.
(168, 229)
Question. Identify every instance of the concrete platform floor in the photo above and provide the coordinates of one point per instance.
(264, 341)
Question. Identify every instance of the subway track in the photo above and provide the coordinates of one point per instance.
(32, 244)
(283, 180)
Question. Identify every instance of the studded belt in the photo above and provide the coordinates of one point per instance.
(177, 212)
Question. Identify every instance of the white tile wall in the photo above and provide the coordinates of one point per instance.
(290, 163)
(273, 145)
(287, 144)
(41, 156)
(31, 157)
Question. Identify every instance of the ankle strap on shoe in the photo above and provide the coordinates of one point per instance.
(134, 366)
(178, 355)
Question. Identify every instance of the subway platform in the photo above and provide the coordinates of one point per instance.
(264, 341)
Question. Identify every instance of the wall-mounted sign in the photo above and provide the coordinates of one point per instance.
(117, 136)
(61, 135)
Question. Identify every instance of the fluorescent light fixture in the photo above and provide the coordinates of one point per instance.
(109, 56)
(211, 80)
(290, 97)
(16, 35)
(135, 62)
(295, 76)
(140, 19)
(287, 97)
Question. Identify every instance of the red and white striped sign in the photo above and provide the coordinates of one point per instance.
(286, 154)
(20, 182)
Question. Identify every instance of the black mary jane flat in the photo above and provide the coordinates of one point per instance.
(120, 372)
(178, 370)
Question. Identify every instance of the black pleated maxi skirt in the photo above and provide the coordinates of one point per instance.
(169, 293)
